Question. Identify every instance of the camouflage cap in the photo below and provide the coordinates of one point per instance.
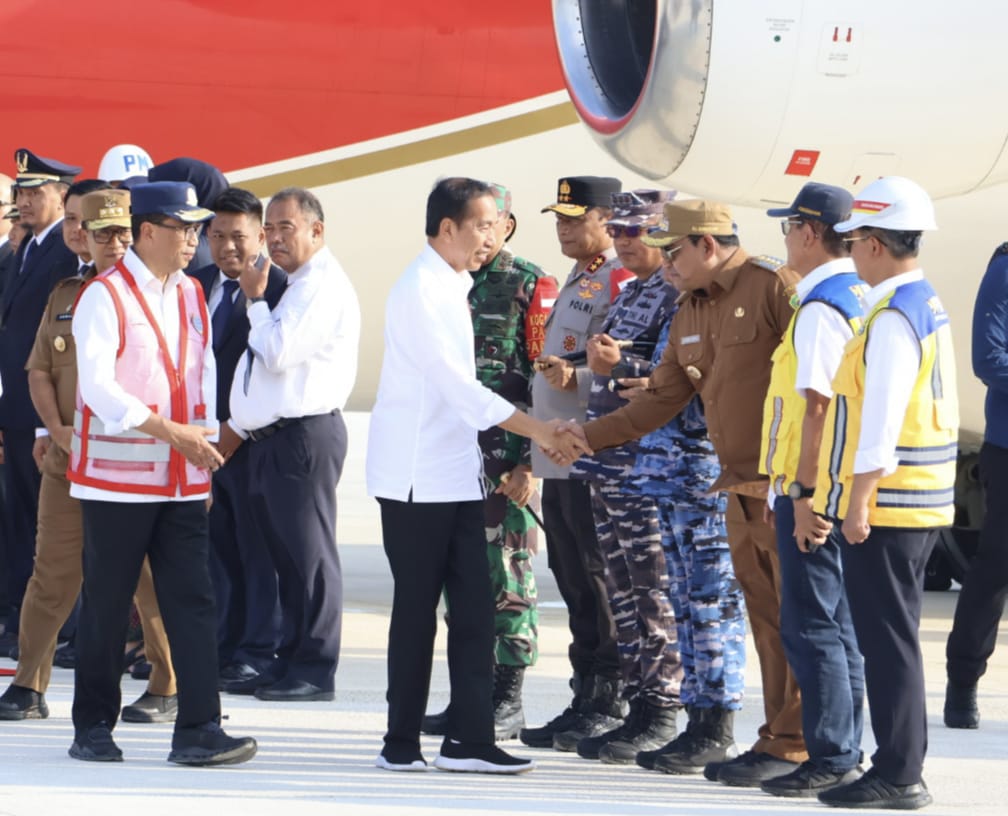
(502, 195)
(694, 217)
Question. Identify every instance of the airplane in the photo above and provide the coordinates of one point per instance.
(368, 104)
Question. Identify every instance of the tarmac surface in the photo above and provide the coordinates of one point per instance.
(318, 758)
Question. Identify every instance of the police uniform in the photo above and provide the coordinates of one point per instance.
(40, 261)
(720, 346)
(56, 579)
(675, 465)
(510, 301)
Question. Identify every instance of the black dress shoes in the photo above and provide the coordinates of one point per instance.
(65, 656)
(21, 703)
(292, 691)
(151, 708)
(872, 791)
(96, 745)
(234, 673)
(249, 685)
(207, 744)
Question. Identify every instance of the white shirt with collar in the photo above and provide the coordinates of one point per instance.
(40, 237)
(96, 335)
(892, 360)
(821, 332)
(430, 405)
(303, 359)
(217, 292)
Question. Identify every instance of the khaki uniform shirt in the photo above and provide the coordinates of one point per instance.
(579, 312)
(720, 346)
(54, 353)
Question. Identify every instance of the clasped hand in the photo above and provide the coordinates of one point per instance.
(567, 442)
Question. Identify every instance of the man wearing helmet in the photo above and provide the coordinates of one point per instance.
(887, 470)
(122, 162)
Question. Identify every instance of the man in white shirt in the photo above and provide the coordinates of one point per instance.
(887, 468)
(286, 398)
(424, 467)
(140, 462)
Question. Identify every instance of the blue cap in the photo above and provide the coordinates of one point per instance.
(173, 198)
(638, 206)
(34, 171)
(818, 202)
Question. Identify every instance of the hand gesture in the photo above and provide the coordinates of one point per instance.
(559, 373)
(811, 530)
(855, 527)
(603, 354)
(254, 276)
(191, 442)
(518, 485)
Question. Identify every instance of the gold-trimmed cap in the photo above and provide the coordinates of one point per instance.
(578, 194)
(693, 217)
(106, 208)
(34, 171)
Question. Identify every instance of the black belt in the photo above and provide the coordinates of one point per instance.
(259, 434)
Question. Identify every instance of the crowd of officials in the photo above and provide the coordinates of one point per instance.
(719, 436)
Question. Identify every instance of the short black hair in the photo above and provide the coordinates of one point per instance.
(305, 199)
(240, 202)
(85, 186)
(901, 244)
(450, 199)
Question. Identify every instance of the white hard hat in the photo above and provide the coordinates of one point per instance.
(892, 203)
(123, 161)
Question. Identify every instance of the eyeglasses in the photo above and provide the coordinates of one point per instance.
(121, 234)
(669, 252)
(789, 224)
(853, 238)
(189, 231)
(631, 231)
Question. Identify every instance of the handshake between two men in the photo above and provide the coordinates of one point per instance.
(603, 355)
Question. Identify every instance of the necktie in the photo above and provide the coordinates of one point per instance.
(29, 246)
(222, 314)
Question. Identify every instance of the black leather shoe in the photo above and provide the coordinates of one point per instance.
(248, 685)
(872, 791)
(21, 703)
(435, 725)
(235, 672)
(96, 745)
(809, 780)
(207, 744)
(752, 768)
(151, 708)
(292, 691)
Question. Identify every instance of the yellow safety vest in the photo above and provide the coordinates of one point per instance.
(784, 407)
(919, 493)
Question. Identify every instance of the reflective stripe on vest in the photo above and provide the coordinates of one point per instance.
(784, 407)
(920, 492)
(132, 461)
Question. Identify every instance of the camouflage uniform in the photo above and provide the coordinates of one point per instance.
(675, 466)
(626, 520)
(509, 300)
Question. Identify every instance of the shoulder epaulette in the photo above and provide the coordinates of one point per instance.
(768, 262)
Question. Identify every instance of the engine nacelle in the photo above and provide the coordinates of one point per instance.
(745, 101)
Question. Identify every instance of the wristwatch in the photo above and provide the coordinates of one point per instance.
(796, 490)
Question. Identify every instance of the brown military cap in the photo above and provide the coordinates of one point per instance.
(694, 217)
(105, 208)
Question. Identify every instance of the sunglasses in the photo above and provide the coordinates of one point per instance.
(669, 252)
(632, 231)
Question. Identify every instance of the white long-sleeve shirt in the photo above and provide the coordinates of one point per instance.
(430, 405)
(96, 335)
(892, 360)
(303, 358)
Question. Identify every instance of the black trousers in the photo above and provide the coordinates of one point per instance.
(985, 587)
(245, 580)
(431, 546)
(292, 496)
(884, 577)
(575, 558)
(21, 486)
(117, 536)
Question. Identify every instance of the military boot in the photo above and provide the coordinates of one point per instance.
(603, 710)
(654, 727)
(694, 723)
(588, 748)
(509, 719)
(542, 737)
(712, 740)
